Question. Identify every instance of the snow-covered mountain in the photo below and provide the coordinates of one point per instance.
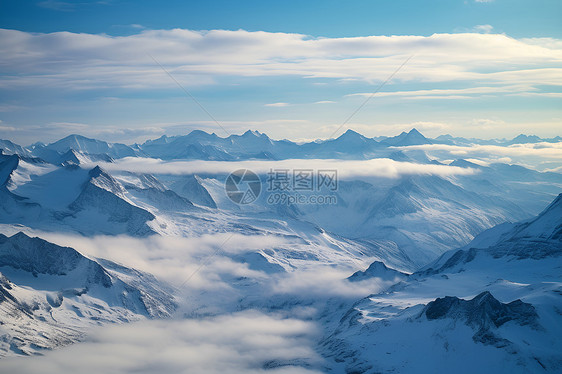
(85, 145)
(200, 145)
(423, 215)
(378, 270)
(76, 157)
(102, 196)
(408, 271)
(10, 148)
(498, 299)
(255, 145)
(43, 196)
(519, 139)
(413, 137)
(51, 295)
(191, 187)
(203, 146)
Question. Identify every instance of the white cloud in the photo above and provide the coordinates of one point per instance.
(242, 342)
(486, 29)
(6, 128)
(542, 150)
(538, 94)
(82, 61)
(174, 259)
(555, 170)
(327, 281)
(278, 104)
(380, 167)
(459, 93)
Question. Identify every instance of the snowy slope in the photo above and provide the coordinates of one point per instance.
(103, 198)
(489, 302)
(10, 148)
(51, 295)
(424, 215)
(191, 188)
(76, 157)
(69, 197)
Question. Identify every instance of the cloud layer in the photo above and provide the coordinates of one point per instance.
(174, 259)
(547, 151)
(87, 61)
(380, 167)
(246, 342)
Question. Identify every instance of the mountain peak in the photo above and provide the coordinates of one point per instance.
(522, 138)
(415, 131)
(484, 312)
(197, 136)
(101, 179)
(73, 138)
(465, 164)
(85, 146)
(413, 137)
(377, 270)
(253, 133)
(197, 133)
(96, 172)
(351, 133)
(20, 235)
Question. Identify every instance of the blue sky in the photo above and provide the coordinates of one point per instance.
(291, 69)
(329, 18)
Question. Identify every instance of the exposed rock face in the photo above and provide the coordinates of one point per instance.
(483, 313)
(378, 270)
(37, 256)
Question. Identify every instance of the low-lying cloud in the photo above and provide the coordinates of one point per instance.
(244, 342)
(327, 282)
(542, 149)
(206, 268)
(380, 167)
(175, 259)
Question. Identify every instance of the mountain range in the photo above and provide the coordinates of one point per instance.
(201, 145)
(416, 271)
